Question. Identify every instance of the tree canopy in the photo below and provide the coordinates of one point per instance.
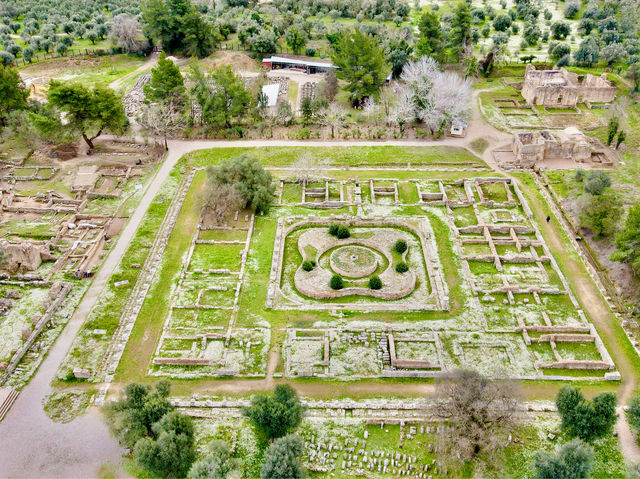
(217, 464)
(14, 93)
(480, 411)
(431, 41)
(601, 212)
(166, 84)
(362, 64)
(587, 420)
(275, 415)
(248, 177)
(628, 240)
(282, 459)
(572, 460)
(179, 26)
(460, 35)
(221, 94)
(132, 417)
(89, 111)
(172, 451)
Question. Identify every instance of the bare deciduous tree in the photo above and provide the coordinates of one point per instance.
(402, 111)
(386, 101)
(161, 120)
(432, 96)
(309, 168)
(480, 412)
(124, 33)
(333, 116)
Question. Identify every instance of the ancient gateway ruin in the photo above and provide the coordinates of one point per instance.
(558, 87)
(532, 148)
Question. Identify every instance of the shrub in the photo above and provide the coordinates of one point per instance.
(336, 282)
(628, 240)
(333, 230)
(502, 22)
(343, 232)
(580, 175)
(6, 58)
(597, 182)
(402, 267)
(307, 265)
(282, 459)
(375, 282)
(633, 413)
(601, 213)
(572, 459)
(400, 246)
(571, 9)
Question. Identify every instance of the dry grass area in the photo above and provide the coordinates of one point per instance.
(238, 61)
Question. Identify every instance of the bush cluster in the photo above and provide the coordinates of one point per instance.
(375, 282)
(402, 267)
(336, 282)
(339, 231)
(400, 246)
(308, 265)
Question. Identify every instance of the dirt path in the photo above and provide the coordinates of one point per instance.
(598, 311)
(146, 66)
(80, 448)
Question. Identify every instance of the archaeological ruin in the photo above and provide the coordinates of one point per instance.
(531, 149)
(561, 88)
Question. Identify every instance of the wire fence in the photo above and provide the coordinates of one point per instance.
(71, 53)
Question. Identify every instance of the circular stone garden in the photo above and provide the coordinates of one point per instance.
(353, 261)
(359, 262)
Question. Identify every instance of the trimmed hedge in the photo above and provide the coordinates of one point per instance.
(400, 246)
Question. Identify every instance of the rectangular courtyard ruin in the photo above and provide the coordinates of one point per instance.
(481, 288)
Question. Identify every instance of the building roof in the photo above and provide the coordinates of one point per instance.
(271, 92)
(294, 61)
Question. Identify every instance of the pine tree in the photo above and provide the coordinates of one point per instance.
(362, 64)
(431, 40)
(460, 36)
(166, 84)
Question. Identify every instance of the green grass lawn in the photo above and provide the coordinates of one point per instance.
(253, 296)
(346, 156)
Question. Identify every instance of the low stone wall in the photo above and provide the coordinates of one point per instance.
(288, 225)
(46, 318)
(595, 365)
(182, 361)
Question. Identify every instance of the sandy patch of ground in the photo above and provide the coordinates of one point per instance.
(238, 61)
